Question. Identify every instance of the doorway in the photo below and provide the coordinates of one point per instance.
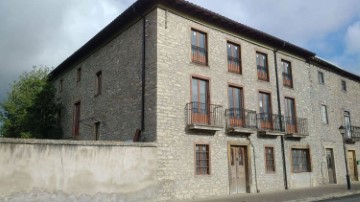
(352, 165)
(331, 165)
(238, 164)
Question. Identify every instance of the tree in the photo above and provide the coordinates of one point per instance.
(30, 111)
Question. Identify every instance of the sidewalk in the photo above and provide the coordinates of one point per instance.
(293, 195)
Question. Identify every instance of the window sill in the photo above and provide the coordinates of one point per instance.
(261, 80)
(199, 64)
(270, 173)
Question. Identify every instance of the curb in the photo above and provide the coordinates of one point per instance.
(326, 197)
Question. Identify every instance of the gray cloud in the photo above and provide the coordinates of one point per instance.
(43, 32)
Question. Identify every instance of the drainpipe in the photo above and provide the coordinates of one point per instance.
(256, 182)
(143, 60)
(280, 119)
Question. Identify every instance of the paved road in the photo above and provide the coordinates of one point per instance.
(353, 198)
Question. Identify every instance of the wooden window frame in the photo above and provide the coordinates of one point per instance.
(98, 83)
(290, 83)
(76, 119)
(321, 78)
(266, 159)
(208, 172)
(78, 74)
(308, 158)
(258, 53)
(206, 49)
(61, 85)
(343, 86)
(232, 69)
(326, 114)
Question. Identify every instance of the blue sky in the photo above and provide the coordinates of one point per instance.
(42, 32)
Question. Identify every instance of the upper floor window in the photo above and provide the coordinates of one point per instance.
(199, 47)
(202, 159)
(234, 58)
(78, 74)
(61, 85)
(321, 78)
(290, 115)
(343, 86)
(98, 83)
(200, 101)
(347, 123)
(287, 74)
(324, 114)
(262, 66)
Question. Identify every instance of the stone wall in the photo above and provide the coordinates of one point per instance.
(118, 107)
(47, 170)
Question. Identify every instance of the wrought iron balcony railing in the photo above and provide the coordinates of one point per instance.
(296, 125)
(204, 114)
(270, 122)
(353, 133)
(240, 118)
(262, 73)
(234, 64)
(199, 55)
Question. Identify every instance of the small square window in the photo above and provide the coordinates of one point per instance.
(321, 78)
(343, 86)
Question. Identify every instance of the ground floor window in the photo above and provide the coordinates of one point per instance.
(300, 160)
(269, 159)
(202, 159)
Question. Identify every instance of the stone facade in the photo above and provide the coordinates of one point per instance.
(169, 70)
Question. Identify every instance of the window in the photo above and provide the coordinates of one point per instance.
(347, 123)
(78, 74)
(290, 115)
(61, 85)
(234, 58)
(269, 159)
(202, 158)
(98, 83)
(76, 119)
(265, 111)
(321, 77)
(300, 160)
(324, 114)
(343, 85)
(261, 62)
(97, 130)
(287, 74)
(236, 111)
(198, 47)
(200, 101)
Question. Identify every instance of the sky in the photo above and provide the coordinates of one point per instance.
(46, 32)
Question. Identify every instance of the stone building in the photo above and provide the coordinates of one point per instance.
(230, 108)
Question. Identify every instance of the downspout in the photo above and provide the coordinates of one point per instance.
(256, 182)
(143, 60)
(280, 119)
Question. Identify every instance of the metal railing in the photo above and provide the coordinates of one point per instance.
(271, 122)
(204, 114)
(296, 125)
(234, 64)
(199, 55)
(240, 118)
(287, 79)
(353, 133)
(262, 73)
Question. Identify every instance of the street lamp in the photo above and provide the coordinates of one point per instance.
(343, 132)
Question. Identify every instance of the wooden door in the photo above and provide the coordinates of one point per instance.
(238, 169)
(352, 166)
(331, 166)
(200, 101)
(265, 111)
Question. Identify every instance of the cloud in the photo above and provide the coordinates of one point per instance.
(42, 32)
(352, 38)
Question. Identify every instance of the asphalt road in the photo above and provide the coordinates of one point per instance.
(352, 198)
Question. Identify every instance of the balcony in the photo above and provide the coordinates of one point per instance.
(296, 127)
(352, 134)
(204, 116)
(240, 121)
(269, 124)
(199, 55)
